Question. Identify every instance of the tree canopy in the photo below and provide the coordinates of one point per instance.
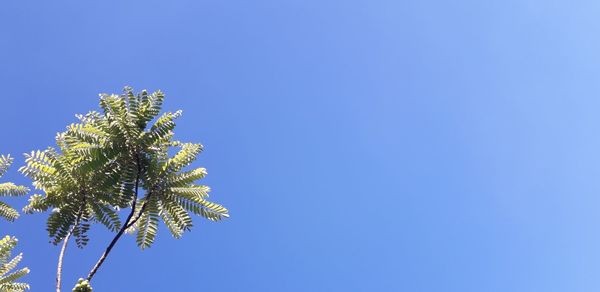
(123, 156)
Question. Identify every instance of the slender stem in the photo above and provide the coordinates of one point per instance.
(130, 222)
(126, 225)
(63, 250)
(60, 261)
(111, 245)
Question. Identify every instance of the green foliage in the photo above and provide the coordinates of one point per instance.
(75, 195)
(82, 286)
(103, 161)
(9, 189)
(8, 274)
(7, 265)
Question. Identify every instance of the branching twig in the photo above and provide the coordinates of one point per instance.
(128, 223)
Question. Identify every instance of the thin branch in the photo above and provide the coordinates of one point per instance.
(126, 225)
(63, 249)
(60, 261)
(110, 246)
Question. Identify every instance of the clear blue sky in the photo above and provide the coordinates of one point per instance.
(360, 145)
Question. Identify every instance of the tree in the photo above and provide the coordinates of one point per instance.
(7, 244)
(115, 160)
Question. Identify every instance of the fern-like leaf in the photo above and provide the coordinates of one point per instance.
(8, 274)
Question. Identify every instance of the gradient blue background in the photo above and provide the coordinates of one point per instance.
(360, 145)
